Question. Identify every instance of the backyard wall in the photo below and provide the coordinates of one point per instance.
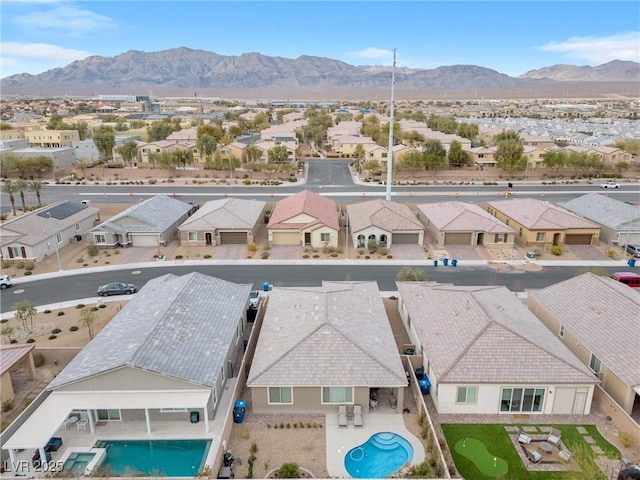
(620, 419)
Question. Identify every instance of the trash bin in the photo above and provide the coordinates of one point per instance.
(445, 261)
(244, 345)
(195, 417)
(225, 472)
(419, 372)
(435, 263)
(78, 237)
(425, 385)
(265, 286)
(454, 262)
(238, 411)
(631, 262)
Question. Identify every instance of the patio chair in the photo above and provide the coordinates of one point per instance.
(554, 437)
(565, 455)
(534, 457)
(81, 425)
(65, 424)
(524, 439)
(342, 416)
(357, 415)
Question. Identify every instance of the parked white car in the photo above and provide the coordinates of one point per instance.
(5, 281)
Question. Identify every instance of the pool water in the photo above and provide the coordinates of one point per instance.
(380, 456)
(77, 463)
(170, 458)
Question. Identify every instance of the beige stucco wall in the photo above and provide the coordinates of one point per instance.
(305, 400)
(316, 234)
(6, 388)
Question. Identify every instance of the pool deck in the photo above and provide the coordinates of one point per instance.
(340, 439)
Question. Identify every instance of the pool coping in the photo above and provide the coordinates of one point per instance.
(340, 440)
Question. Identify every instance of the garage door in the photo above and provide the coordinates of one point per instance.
(144, 240)
(457, 238)
(578, 239)
(229, 238)
(286, 238)
(405, 238)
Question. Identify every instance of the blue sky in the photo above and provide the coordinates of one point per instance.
(508, 36)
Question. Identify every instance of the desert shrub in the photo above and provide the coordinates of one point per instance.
(73, 328)
(56, 330)
(52, 337)
(4, 320)
(60, 313)
(94, 309)
(305, 256)
(389, 257)
(80, 306)
(29, 265)
(557, 250)
(5, 264)
(367, 257)
(289, 470)
(38, 359)
(28, 272)
(7, 405)
(80, 260)
(265, 255)
(116, 252)
(335, 255)
(252, 247)
(316, 255)
(152, 181)
(92, 250)
(102, 305)
(626, 439)
(611, 253)
(30, 340)
(47, 311)
(207, 256)
(13, 340)
(19, 265)
(372, 245)
(246, 181)
(179, 257)
(383, 251)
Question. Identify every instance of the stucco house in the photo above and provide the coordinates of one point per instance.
(320, 347)
(167, 353)
(13, 357)
(384, 222)
(305, 218)
(619, 221)
(222, 222)
(598, 319)
(486, 353)
(150, 223)
(543, 224)
(32, 235)
(457, 223)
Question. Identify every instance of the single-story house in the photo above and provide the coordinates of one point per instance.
(13, 357)
(543, 224)
(485, 353)
(38, 234)
(384, 222)
(320, 347)
(150, 223)
(305, 218)
(598, 319)
(619, 221)
(456, 223)
(224, 221)
(166, 354)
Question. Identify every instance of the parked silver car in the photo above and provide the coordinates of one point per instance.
(116, 288)
(633, 250)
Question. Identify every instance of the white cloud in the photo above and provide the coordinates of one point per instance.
(67, 19)
(598, 50)
(34, 58)
(372, 53)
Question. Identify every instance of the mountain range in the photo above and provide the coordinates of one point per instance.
(184, 71)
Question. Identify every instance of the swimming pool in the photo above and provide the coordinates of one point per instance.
(78, 462)
(170, 458)
(380, 456)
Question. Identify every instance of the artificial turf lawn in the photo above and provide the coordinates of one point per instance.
(496, 439)
(477, 452)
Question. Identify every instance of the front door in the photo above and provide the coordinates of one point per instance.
(307, 238)
(208, 238)
(579, 402)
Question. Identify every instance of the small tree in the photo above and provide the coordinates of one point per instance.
(372, 245)
(87, 319)
(129, 151)
(7, 332)
(10, 188)
(104, 139)
(37, 186)
(289, 470)
(25, 310)
(21, 186)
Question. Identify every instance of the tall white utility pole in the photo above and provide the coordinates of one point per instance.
(390, 153)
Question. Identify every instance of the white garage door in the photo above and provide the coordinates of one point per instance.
(286, 238)
(144, 240)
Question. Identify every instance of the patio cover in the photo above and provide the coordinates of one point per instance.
(43, 423)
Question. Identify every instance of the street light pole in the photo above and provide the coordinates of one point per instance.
(55, 244)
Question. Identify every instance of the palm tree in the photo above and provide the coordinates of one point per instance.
(37, 186)
(10, 189)
(21, 186)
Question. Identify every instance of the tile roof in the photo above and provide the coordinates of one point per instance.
(462, 217)
(485, 334)
(334, 335)
(388, 216)
(179, 326)
(323, 210)
(232, 213)
(156, 214)
(539, 215)
(606, 211)
(603, 314)
(33, 228)
(12, 354)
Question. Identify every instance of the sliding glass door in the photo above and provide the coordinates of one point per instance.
(527, 399)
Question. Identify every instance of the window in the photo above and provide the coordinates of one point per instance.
(520, 231)
(337, 394)
(99, 238)
(77, 227)
(109, 415)
(192, 236)
(59, 237)
(522, 399)
(325, 237)
(561, 332)
(540, 237)
(500, 238)
(595, 364)
(280, 395)
(466, 394)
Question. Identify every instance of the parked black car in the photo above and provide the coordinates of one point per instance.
(116, 288)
